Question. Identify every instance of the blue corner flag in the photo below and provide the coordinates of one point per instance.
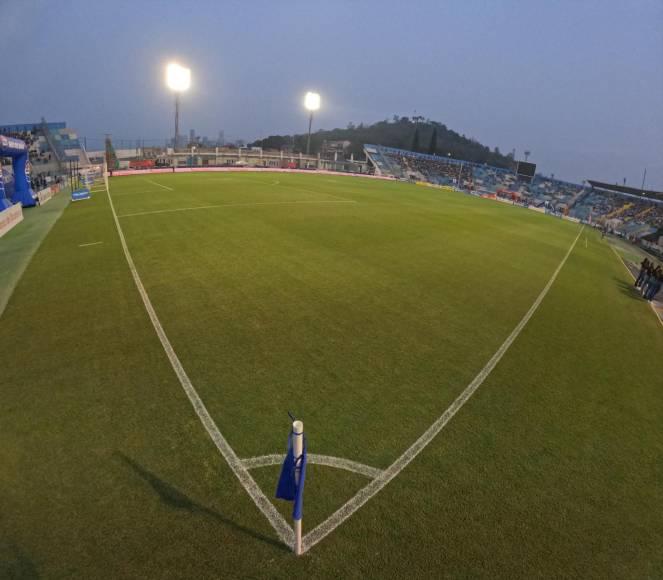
(287, 487)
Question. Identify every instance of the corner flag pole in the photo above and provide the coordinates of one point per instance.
(298, 449)
(290, 485)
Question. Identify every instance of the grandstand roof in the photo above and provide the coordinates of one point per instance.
(627, 190)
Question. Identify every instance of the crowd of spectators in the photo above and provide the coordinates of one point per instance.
(621, 209)
(39, 180)
(435, 170)
(629, 216)
(27, 136)
(37, 146)
(43, 180)
(483, 179)
(438, 171)
(43, 172)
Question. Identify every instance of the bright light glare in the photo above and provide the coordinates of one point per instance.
(312, 101)
(178, 78)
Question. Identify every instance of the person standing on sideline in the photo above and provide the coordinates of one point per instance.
(643, 272)
(649, 273)
(652, 276)
(655, 284)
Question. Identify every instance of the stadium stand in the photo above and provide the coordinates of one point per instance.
(51, 145)
(473, 177)
(625, 211)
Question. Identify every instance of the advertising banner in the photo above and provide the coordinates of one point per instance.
(80, 194)
(10, 217)
(44, 195)
(247, 170)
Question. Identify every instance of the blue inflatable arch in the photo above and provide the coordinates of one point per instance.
(18, 151)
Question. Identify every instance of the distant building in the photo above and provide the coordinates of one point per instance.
(334, 149)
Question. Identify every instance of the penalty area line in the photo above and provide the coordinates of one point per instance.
(158, 184)
(376, 485)
(277, 521)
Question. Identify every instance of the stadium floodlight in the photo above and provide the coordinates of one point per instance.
(178, 79)
(312, 103)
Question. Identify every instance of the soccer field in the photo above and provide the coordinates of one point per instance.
(481, 389)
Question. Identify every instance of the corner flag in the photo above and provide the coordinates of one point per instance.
(293, 475)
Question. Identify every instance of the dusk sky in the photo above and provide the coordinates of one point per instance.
(579, 83)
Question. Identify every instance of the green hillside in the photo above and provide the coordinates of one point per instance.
(415, 134)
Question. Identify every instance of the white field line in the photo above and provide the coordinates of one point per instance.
(315, 459)
(89, 244)
(632, 276)
(277, 521)
(317, 192)
(248, 204)
(158, 184)
(366, 493)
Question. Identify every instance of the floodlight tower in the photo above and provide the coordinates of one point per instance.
(178, 79)
(312, 103)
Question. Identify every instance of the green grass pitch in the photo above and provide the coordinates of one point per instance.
(364, 307)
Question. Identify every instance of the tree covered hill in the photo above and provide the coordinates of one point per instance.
(414, 134)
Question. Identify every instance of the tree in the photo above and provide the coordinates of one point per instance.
(415, 139)
(432, 148)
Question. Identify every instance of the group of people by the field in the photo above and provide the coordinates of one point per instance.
(650, 279)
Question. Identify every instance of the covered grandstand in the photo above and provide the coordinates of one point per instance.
(632, 213)
(474, 177)
(624, 190)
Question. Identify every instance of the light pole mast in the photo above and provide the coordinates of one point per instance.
(308, 139)
(177, 121)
